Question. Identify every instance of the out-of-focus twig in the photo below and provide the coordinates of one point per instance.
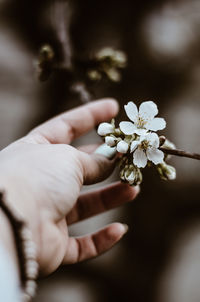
(60, 17)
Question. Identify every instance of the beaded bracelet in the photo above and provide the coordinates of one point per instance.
(26, 251)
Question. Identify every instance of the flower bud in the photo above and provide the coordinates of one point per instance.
(110, 141)
(131, 178)
(122, 147)
(168, 145)
(166, 172)
(120, 59)
(113, 74)
(133, 175)
(130, 174)
(94, 75)
(105, 128)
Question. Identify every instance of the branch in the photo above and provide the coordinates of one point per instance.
(182, 153)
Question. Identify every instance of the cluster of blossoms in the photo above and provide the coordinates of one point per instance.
(138, 142)
(108, 61)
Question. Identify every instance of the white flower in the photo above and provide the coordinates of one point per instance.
(146, 148)
(110, 141)
(143, 120)
(105, 128)
(122, 147)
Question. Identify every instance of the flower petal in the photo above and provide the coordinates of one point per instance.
(140, 131)
(131, 178)
(127, 128)
(122, 147)
(105, 128)
(131, 111)
(155, 155)
(139, 158)
(153, 139)
(148, 110)
(156, 124)
(110, 141)
(134, 145)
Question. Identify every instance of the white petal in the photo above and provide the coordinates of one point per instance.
(140, 131)
(131, 178)
(139, 158)
(148, 110)
(143, 137)
(131, 111)
(171, 173)
(155, 155)
(110, 141)
(127, 128)
(153, 139)
(134, 145)
(122, 147)
(105, 128)
(156, 124)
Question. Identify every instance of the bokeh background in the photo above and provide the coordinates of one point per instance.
(159, 258)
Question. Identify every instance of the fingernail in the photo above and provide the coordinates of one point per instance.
(108, 152)
(126, 227)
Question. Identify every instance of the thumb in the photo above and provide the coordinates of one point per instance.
(97, 166)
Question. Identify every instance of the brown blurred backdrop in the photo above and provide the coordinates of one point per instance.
(159, 258)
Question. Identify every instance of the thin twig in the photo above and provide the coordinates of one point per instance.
(182, 153)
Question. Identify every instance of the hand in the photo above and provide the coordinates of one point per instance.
(43, 175)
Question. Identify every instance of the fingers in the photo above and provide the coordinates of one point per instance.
(89, 246)
(70, 125)
(88, 148)
(101, 200)
(95, 167)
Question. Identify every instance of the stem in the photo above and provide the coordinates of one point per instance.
(182, 153)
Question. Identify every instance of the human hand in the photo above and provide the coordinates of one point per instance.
(43, 175)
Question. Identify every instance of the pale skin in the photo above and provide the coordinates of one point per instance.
(43, 174)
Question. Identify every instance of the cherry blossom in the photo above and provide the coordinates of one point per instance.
(142, 120)
(146, 148)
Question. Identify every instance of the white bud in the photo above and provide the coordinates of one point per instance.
(120, 58)
(113, 74)
(166, 172)
(132, 175)
(105, 128)
(131, 178)
(105, 52)
(168, 145)
(122, 147)
(110, 141)
(171, 172)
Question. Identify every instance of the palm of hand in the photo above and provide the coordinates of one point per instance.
(51, 176)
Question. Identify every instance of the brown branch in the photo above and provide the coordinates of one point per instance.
(180, 153)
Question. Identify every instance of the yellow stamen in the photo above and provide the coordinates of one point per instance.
(141, 122)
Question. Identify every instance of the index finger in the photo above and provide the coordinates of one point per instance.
(65, 127)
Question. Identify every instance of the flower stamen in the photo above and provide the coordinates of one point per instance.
(141, 122)
(144, 145)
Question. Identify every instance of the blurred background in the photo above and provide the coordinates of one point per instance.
(159, 258)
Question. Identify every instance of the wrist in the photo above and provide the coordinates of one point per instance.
(7, 240)
(21, 201)
(17, 240)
